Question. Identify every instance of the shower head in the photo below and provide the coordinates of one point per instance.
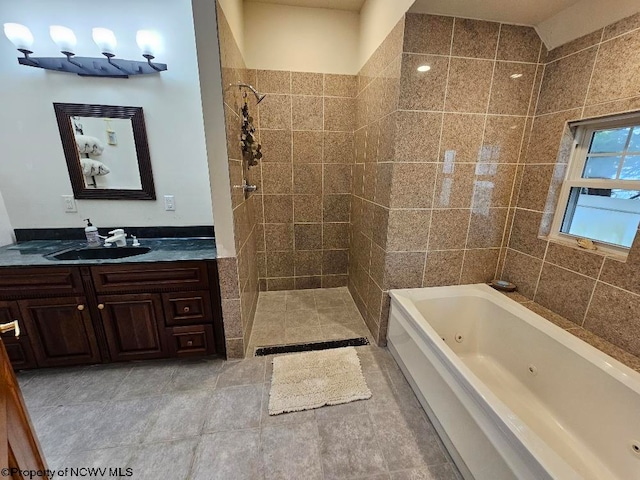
(259, 96)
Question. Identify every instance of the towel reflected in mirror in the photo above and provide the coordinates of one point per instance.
(89, 145)
(92, 167)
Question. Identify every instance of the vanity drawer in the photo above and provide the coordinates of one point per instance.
(29, 282)
(187, 308)
(150, 277)
(196, 340)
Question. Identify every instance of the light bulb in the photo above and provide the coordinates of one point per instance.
(19, 35)
(63, 37)
(424, 68)
(148, 41)
(105, 40)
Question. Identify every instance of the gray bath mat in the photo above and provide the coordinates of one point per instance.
(308, 380)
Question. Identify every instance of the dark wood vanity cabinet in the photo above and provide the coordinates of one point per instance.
(133, 326)
(92, 314)
(18, 349)
(60, 331)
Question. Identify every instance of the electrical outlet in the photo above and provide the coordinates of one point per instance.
(69, 204)
(169, 203)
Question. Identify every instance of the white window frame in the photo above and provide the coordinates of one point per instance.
(573, 177)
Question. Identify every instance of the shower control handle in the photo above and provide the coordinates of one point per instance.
(246, 187)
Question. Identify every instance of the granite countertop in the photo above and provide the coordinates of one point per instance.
(33, 253)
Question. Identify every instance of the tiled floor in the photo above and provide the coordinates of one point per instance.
(208, 420)
(300, 316)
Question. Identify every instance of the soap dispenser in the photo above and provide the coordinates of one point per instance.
(91, 232)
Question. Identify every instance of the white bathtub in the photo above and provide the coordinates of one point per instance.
(512, 395)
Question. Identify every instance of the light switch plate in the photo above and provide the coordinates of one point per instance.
(169, 203)
(69, 204)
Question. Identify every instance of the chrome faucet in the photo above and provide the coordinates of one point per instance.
(118, 237)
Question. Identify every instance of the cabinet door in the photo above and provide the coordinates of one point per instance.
(133, 325)
(18, 349)
(60, 331)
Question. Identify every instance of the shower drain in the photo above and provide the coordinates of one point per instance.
(635, 447)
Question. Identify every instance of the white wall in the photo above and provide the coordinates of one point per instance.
(204, 15)
(282, 37)
(6, 231)
(377, 19)
(234, 11)
(583, 17)
(33, 172)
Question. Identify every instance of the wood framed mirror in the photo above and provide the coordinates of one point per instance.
(106, 150)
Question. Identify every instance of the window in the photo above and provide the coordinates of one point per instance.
(600, 197)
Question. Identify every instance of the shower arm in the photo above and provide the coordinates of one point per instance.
(259, 96)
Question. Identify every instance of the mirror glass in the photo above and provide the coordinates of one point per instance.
(107, 153)
(106, 150)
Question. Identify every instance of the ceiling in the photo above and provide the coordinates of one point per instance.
(556, 21)
(349, 5)
(523, 12)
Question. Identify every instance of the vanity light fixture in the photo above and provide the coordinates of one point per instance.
(64, 38)
(515, 75)
(20, 36)
(106, 41)
(149, 44)
(424, 68)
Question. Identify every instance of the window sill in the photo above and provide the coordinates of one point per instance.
(602, 250)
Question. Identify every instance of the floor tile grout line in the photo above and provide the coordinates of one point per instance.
(318, 446)
(375, 435)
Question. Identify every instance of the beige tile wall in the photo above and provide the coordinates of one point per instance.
(375, 142)
(437, 155)
(238, 275)
(592, 76)
(429, 177)
(306, 129)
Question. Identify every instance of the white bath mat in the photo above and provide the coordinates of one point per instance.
(308, 380)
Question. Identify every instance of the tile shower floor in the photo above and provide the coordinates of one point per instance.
(208, 419)
(303, 316)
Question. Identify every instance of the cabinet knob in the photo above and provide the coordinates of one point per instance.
(101, 306)
(81, 307)
(189, 343)
(186, 309)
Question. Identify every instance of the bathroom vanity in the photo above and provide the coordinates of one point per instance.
(165, 303)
